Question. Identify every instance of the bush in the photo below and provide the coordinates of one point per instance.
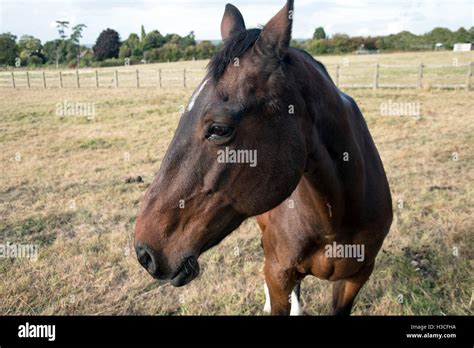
(110, 62)
(321, 46)
(85, 62)
(137, 52)
(34, 61)
(152, 55)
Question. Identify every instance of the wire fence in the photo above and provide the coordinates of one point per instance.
(376, 76)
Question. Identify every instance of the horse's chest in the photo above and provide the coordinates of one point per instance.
(306, 237)
(331, 268)
(336, 256)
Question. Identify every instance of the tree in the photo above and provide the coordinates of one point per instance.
(51, 50)
(137, 52)
(319, 34)
(133, 41)
(173, 39)
(188, 40)
(28, 45)
(125, 51)
(462, 35)
(30, 49)
(342, 43)
(169, 52)
(143, 34)
(8, 49)
(319, 47)
(76, 36)
(61, 26)
(107, 45)
(205, 50)
(71, 51)
(131, 47)
(441, 35)
(153, 40)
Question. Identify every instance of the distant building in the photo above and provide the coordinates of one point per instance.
(462, 47)
(86, 52)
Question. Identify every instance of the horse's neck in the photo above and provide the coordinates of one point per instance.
(335, 166)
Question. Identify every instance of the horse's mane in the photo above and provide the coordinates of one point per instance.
(318, 63)
(234, 47)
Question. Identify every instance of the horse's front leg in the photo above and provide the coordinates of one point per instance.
(346, 290)
(279, 286)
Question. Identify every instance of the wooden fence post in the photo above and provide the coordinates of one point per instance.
(184, 77)
(419, 82)
(116, 79)
(376, 76)
(13, 80)
(96, 79)
(468, 76)
(337, 75)
(159, 77)
(44, 80)
(28, 79)
(138, 79)
(60, 79)
(77, 79)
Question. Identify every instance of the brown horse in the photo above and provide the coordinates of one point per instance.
(317, 186)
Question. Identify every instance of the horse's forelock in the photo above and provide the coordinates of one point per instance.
(234, 47)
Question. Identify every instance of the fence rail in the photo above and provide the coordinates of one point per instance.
(345, 76)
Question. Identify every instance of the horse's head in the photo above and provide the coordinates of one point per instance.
(237, 152)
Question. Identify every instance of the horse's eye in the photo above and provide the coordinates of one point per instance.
(219, 131)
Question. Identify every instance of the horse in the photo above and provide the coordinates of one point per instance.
(318, 188)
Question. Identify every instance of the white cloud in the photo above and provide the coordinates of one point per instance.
(354, 17)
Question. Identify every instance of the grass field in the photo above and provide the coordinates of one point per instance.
(63, 188)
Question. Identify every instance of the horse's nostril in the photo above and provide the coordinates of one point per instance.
(145, 258)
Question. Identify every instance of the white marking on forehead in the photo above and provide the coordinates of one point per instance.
(195, 95)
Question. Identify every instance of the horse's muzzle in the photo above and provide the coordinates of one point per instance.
(147, 258)
(188, 270)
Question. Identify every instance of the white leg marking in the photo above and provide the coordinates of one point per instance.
(295, 305)
(195, 95)
(267, 308)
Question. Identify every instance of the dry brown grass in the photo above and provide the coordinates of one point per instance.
(87, 263)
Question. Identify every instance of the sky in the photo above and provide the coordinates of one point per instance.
(353, 17)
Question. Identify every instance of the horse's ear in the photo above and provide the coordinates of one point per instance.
(276, 34)
(232, 21)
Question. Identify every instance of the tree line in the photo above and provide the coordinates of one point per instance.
(110, 50)
(438, 38)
